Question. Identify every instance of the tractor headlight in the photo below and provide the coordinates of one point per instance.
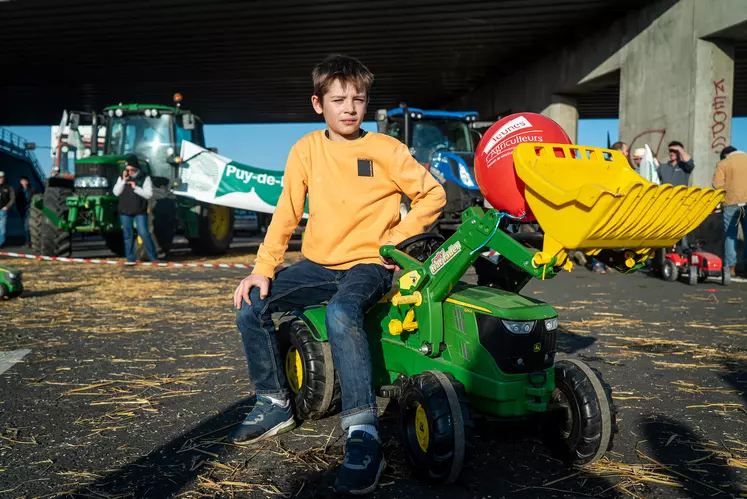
(11, 275)
(92, 182)
(551, 324)
(519, 327)
(465, 177)
(119, 113)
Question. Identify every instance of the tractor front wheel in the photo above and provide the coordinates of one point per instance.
(693, 275)
(435, 426)
(215, 229)
(582, 420)
(46, 238)
(310, 371)
(669, 271)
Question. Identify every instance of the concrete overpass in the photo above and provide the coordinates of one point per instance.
(241, 62)
(677, 66)
(673, 70)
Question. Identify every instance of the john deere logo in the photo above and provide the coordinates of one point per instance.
(537, 347)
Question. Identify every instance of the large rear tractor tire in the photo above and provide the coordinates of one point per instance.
(46, 238)
(215, 230)
(162, 209)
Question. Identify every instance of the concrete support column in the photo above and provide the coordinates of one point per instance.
(712, 105)
(564, 111)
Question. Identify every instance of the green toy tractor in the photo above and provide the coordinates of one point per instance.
(446, 350)
(10, 282)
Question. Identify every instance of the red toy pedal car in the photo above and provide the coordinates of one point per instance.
(698, 265)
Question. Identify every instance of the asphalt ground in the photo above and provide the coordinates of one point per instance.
(133, 377)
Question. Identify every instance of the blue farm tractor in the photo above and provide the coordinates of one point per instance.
(444, 143)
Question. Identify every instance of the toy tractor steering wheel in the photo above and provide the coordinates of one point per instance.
(421, 246)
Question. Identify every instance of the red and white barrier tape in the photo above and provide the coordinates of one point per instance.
(124, 263)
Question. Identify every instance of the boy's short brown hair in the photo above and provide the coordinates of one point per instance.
(346, 69)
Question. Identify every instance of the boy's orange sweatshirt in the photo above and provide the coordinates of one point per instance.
(354, 190)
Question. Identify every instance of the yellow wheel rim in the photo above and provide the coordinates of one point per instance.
(421, 428)
(219, 221)
(294, 369)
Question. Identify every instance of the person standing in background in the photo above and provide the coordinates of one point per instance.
(7, 199)
(23, 205)
(731, 175)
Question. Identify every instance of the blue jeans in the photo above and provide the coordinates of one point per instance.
(129, 237)
(350, 294)
(733, 216)
(3, 223)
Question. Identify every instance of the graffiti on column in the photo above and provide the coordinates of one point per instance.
(720, 117)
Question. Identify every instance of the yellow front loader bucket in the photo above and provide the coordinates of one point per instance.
(589, 199)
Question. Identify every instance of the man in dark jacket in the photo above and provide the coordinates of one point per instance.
(677, 171)
(7, 198)
(679, 167)
(134, 188)
(23, 204)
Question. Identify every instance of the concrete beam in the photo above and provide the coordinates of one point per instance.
(563, 110)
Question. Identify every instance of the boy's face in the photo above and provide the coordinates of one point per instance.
(343, 109)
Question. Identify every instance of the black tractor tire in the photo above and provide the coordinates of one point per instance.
(4, 292)
(435, 426)
(36, 218)
(669, 271)
(114, 242)
(693, 275)
(215, 230)
(582, 429)
(310, 372)
(162, 219)
(51, 241)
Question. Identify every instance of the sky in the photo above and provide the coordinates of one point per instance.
(267, 145)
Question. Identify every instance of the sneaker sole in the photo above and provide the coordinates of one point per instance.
(283, 427)
(369, 489)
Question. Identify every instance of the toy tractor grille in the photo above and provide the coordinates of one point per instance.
(517, 353)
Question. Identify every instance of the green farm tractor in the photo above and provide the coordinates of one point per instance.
(446, 350)
(82, 201)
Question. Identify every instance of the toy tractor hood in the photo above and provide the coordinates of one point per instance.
(503, 304)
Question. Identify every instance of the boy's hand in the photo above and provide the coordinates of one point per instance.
(388, 263)
(246, 285)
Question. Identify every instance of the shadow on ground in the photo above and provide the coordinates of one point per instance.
(505, 460)
(694, 462)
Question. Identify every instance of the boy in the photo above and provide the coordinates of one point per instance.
(354, 180)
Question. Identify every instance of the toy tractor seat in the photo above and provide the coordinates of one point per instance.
(589, 199)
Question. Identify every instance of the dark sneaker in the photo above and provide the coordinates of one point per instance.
(265, 420)
(362, 467)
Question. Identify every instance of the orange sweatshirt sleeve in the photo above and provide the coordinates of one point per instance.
(288, 214)
(427, 196)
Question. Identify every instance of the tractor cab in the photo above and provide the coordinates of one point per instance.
(152, 132)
